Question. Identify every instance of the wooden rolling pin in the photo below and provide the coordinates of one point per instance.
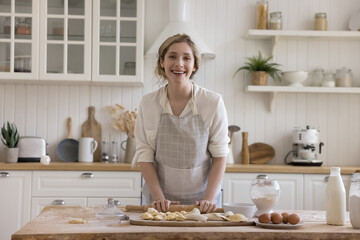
(173, 208)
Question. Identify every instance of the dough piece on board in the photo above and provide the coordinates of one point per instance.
(77, 221)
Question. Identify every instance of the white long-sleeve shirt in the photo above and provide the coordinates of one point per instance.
(208, 104)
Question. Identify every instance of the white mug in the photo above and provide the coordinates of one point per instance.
(87, 147)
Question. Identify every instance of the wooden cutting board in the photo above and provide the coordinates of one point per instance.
(173, 208)
(92, 128)
(261, 153)
(137, 220)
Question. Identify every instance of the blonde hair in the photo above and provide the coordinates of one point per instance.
(178, 38)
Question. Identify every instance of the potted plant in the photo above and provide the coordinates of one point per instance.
(10, 138)
(260, 68)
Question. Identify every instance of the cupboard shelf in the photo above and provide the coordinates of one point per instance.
(275, 35)
(274, 90)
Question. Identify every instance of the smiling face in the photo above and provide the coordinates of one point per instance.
(178, 63)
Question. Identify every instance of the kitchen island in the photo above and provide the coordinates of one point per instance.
(53, 223)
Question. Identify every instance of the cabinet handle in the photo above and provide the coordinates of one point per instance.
(326, 179)
(58, 202)
(87, 175)
(4, 174)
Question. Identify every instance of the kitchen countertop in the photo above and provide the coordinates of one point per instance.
(230, 168)
(52, 223)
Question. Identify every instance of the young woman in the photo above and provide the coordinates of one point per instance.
(181, 133)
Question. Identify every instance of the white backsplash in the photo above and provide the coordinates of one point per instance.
(42, 109)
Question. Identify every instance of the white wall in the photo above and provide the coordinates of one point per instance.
(42, 109)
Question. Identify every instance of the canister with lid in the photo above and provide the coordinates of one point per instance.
(328, 80)
(262, 14)
(320, 23)
(354, 200)
(316, 76)
(343, 77)
(276, 21)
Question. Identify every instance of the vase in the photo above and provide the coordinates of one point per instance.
(259, 78)
(130, 149)
(11, 155)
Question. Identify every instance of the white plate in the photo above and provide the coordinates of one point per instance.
(354, 23)
(279, 226)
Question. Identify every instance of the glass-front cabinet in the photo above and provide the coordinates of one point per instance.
(19, 21)
(65, 40)
(72, 40)
(118, 41)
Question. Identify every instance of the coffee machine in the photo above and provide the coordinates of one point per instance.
(305, 144)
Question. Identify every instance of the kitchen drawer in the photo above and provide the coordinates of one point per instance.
(94, 202)
(86, 184)
(38, 203)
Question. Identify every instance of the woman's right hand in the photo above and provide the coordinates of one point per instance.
(163, 205)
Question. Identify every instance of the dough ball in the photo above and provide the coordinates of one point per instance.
(285, 216)
(147, 216)
(157, 217)
(264, 218)
(237, 218)
(276, 218)
(293, 219)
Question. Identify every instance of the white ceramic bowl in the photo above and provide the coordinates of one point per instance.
(246, 209)
(295, 78)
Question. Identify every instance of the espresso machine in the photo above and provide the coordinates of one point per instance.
(306, 147)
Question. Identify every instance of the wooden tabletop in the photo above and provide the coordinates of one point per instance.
(230, 168)
(52, 223)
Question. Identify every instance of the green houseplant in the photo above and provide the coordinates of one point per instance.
(10, 138)
(260, 68)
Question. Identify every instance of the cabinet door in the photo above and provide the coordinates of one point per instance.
(86, 184)
(65, 40)
(19, 31)
(118, 41)
(38, 203)
(15, 201)
(237, 189)
(315, 191)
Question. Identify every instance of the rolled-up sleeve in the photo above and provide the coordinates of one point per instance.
(219, 140)
(144, 151)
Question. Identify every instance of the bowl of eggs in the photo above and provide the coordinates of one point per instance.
(246, 209)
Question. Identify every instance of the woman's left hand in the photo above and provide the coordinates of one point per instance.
(206, 206)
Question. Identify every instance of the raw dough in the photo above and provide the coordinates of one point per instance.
(77, 221)
(237, 218)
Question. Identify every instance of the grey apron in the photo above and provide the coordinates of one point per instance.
(182, 159)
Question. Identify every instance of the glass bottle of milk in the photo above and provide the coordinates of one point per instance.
(335, 198)
(354, 200)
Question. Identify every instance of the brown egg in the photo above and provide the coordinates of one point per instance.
(276, 218)
(264, 218)
(285, 216)
(293, 218)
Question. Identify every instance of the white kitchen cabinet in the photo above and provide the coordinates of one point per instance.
(15, 200)
(75, 40)
(84, 188)
(237, 189)
(19, 41)
(118, 41)
(315, 191)
(65, 40)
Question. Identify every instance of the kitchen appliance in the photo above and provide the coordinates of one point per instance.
(305, 143)
(31, 149)
(179, 24)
